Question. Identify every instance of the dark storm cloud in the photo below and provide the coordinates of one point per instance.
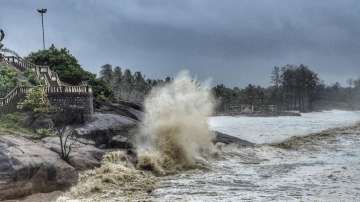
(232, 41)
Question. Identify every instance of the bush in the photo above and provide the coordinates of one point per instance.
(8, 80)
(31, 76)
(36, 101)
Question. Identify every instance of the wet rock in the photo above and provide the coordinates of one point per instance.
(27, 168)
(228, 139)
(82, 156)
(111, 130)
(128, 109)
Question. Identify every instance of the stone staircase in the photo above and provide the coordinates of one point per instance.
(59, 93)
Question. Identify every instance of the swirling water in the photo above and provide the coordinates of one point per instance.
(327, 169)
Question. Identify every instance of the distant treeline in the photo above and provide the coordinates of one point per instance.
(128, 86)
(293, 88)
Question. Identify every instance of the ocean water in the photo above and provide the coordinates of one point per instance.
(327, 169)
(276, 129)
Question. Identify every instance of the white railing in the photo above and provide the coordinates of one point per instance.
(69, 89)
(17, 92)
(43, 73)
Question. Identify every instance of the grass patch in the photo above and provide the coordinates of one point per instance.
(13, 124)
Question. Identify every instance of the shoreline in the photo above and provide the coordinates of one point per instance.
(295, 142)
(259, 114)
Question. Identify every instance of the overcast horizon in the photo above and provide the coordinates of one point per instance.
(234, 42)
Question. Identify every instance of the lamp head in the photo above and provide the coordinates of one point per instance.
(2, 34)
(42, 11)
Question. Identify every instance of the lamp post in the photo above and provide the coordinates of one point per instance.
(42, 12)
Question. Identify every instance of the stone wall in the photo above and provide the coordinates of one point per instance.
(78, 100)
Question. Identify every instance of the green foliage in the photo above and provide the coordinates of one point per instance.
(36, 100)
(10, 120)
(31, 77)
(62, 62)
(13, 123)
(69, 70)
(101, 89)
(7, 80)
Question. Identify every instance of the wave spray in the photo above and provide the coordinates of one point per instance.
(175, 133)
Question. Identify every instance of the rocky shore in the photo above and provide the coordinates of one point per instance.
(29, 167)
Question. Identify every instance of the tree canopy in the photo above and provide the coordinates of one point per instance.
(62, 62)
(128, 86)
(69, 70)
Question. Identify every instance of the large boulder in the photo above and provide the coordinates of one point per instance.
(27, 168)
(228, 139)
(108, 131)
(82, 156)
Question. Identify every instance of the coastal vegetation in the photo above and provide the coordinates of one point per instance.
(7, 79)
(69, 70)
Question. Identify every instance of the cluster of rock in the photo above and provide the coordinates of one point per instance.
(28, 167)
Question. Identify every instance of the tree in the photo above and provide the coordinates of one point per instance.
(276, 77)
(106, 73)
(67, 141)
(117, 75)
(69, 70)
(62, 62)
(299, 87)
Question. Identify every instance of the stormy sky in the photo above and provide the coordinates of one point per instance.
(235, 42)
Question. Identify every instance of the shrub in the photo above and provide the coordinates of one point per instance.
(7, 80)
(36, 100)
(30, 75)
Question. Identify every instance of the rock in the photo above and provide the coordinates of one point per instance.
(128, 109)
(111, 130)
(228, 139)
(120, 142)
(38, 121)
(27, 168)
(82, 157)
(70, 115)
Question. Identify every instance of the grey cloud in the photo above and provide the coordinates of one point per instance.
(233, 41)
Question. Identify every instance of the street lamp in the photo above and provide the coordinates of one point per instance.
(42, 12)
